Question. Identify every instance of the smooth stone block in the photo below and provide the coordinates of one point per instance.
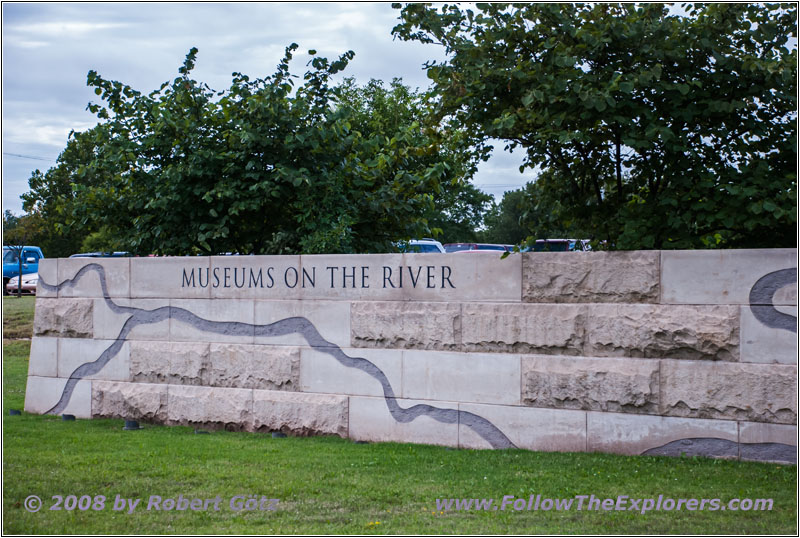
(212, 320)
(461, 377)
(591, 277)
(131, 401)
(75, 352)
(640, 434)
(596, 384)
(721, 276)
(351, 278)
(321, 372)
(176, 363)
(547, 430)
(329, 319)
(765, 344)
(677, 332)
(43, 360)
(370, 420)
(70, 318)
(407, 325)
(523, 328)
(108, 324)
(300, 413)
(115, 271)
(253, 367)
(48, 274)
(256, 277)
(172, 277)
(210, 406)
(43, 393)
(454, 277)
(761, 432)
(732, 391)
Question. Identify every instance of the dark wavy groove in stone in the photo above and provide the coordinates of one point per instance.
(294, 325)
(761, 295)
(712, 447)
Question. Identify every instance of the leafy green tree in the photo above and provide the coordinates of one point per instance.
(655, 130)
(263, 167)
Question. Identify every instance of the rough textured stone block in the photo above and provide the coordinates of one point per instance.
(212, 320)
(210, 406)
(734, 391)
(74, 353)
(71, 318)
(764, 344)
(43, 360)
(253, 367)
(406, 325)
(43, 393)
(678, 332)
(461, 377)
(48, 274)
(596, 384)
(523, 328)
(177, 363)
(255, 277)
(321, 372)
(548, 430)
(370, 420)
(591, 277)
(300, 413)
(331, 319)
(721, 276)
(645, 434)
(108, 324)
(131, 401)
(177, 277)
(115, 272)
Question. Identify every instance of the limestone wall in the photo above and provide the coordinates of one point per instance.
(628, 352)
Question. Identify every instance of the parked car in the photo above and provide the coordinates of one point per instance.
(558, 245)
(11, 266)
(29, 283)
(462, 247)
(421, 245)
(101, 255)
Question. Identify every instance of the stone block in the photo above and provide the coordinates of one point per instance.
(300, 413)
(461, 377)
(212, 407)
(43, 393)
(523, 328)
(546, 430)
(765, 344)
(329, 319)
(407, 325)
(595, 384)
(108, 323)
(731, 391)
(321, 372)
(591, 277)
(43, 360)
(253, 367)
(212, 320)
(81, 277)
(70, 318)
(678, 332)
(463, 276)
(177, 363)
(620, 433)
(48, 278)
(111, 362)
(351, 278)
(130, 401)
(759, 441)
(256, 277)
(171, 277)
(722, 276)
(370, 420)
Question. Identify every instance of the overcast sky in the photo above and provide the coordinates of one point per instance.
(49, 48)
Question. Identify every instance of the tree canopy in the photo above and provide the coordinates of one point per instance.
(652, 130)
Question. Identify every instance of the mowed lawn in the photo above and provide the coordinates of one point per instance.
(329, 485)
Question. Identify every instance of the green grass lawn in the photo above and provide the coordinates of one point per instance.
(331, 485)
(18, 317)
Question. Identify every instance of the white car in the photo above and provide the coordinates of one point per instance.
(29, 283)
(421, 245)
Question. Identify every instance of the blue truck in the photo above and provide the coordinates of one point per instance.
(11, 258)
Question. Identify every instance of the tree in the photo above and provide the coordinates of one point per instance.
(656, 130)
(263, 167)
